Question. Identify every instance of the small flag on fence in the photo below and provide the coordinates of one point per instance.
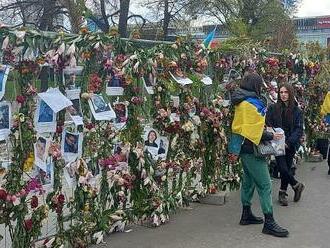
(208, 40)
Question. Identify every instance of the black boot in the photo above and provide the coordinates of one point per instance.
(272, 228)
(248, 218)
(282, 198)
(298, 189)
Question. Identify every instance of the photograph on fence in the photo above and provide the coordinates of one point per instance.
(45, 118)
(121, 112)
(5, 120)
(114, 84)
(41, 150)
(71, 145)
(100, 109)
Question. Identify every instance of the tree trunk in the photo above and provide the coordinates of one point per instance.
(167, 18)
(124, 8)
(47, 18)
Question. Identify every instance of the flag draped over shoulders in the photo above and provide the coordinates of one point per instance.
(249, 119)
(325, 107)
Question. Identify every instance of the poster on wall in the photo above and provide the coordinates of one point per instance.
(74, 110)
(4, 71)
(101, 110)
(5, 120)
(71, 145)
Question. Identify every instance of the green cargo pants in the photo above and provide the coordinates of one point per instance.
(256, 175)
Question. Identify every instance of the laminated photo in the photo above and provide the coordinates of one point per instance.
(121, 113)
(4, 71)
(41, 150)
(151, 141)
(45, 175)
(181, 80)
(71, 145)
(121, 153)
(69, 172)
(155, 144)
(206, 80)
(74, 110)
(69, 76)
(5, 120)
(54, 98)
(163, 148)
(149, 82)
(4, 156)
(101, 110)
(45, 118)
(175, 101)
(114, 84)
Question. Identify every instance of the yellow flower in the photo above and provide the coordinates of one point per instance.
(28, 164)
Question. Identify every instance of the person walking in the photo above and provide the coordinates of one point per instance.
(247, 131)
(286, 114)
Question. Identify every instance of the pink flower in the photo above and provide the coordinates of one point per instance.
(28, 224)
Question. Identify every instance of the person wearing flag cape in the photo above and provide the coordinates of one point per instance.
(325, 112)
(247, 131)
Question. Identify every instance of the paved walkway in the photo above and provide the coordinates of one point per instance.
(207, 226)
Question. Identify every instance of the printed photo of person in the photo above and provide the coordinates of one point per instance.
(114, 80)
(45, 177)
(99, 104)
(162, 147)
(120, 153)
(120, 111)
(75, 108)
(40, 147)
(4, 70)
(71, 143)
(46, 114)
(151, 139)
(150, 79)
(4, 117)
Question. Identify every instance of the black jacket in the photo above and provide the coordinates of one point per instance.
(294, 132)
(238, 96)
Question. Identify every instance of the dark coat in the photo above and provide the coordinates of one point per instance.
(295, 130)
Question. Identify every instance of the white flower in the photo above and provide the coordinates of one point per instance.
(196, 120)
(188, 126)
(98, 237)
(61, 49)
(71, 50)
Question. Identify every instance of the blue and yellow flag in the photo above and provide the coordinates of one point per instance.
(325, 107)
(208, 40)
(249, 119)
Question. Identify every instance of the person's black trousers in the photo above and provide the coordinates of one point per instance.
(284, 164)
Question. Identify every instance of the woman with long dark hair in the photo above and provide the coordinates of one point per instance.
(287, 115)
(247, 132)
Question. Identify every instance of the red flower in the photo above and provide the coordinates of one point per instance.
(28, 225)
(34, 202)
(20, 99)
(61, 199)
(89, 126)
(3, 194)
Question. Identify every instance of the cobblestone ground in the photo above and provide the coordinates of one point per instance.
(206, 226)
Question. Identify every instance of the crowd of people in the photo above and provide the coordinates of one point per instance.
(251, 126)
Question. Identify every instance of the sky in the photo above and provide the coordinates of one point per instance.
(313, 8)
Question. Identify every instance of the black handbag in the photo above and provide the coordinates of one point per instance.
(264, 149)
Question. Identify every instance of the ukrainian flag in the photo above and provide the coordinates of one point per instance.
(249, 119)
(325, 107)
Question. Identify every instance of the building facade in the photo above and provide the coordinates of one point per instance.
(313, 29)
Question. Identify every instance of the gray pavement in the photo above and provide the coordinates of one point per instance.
(207, 226)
